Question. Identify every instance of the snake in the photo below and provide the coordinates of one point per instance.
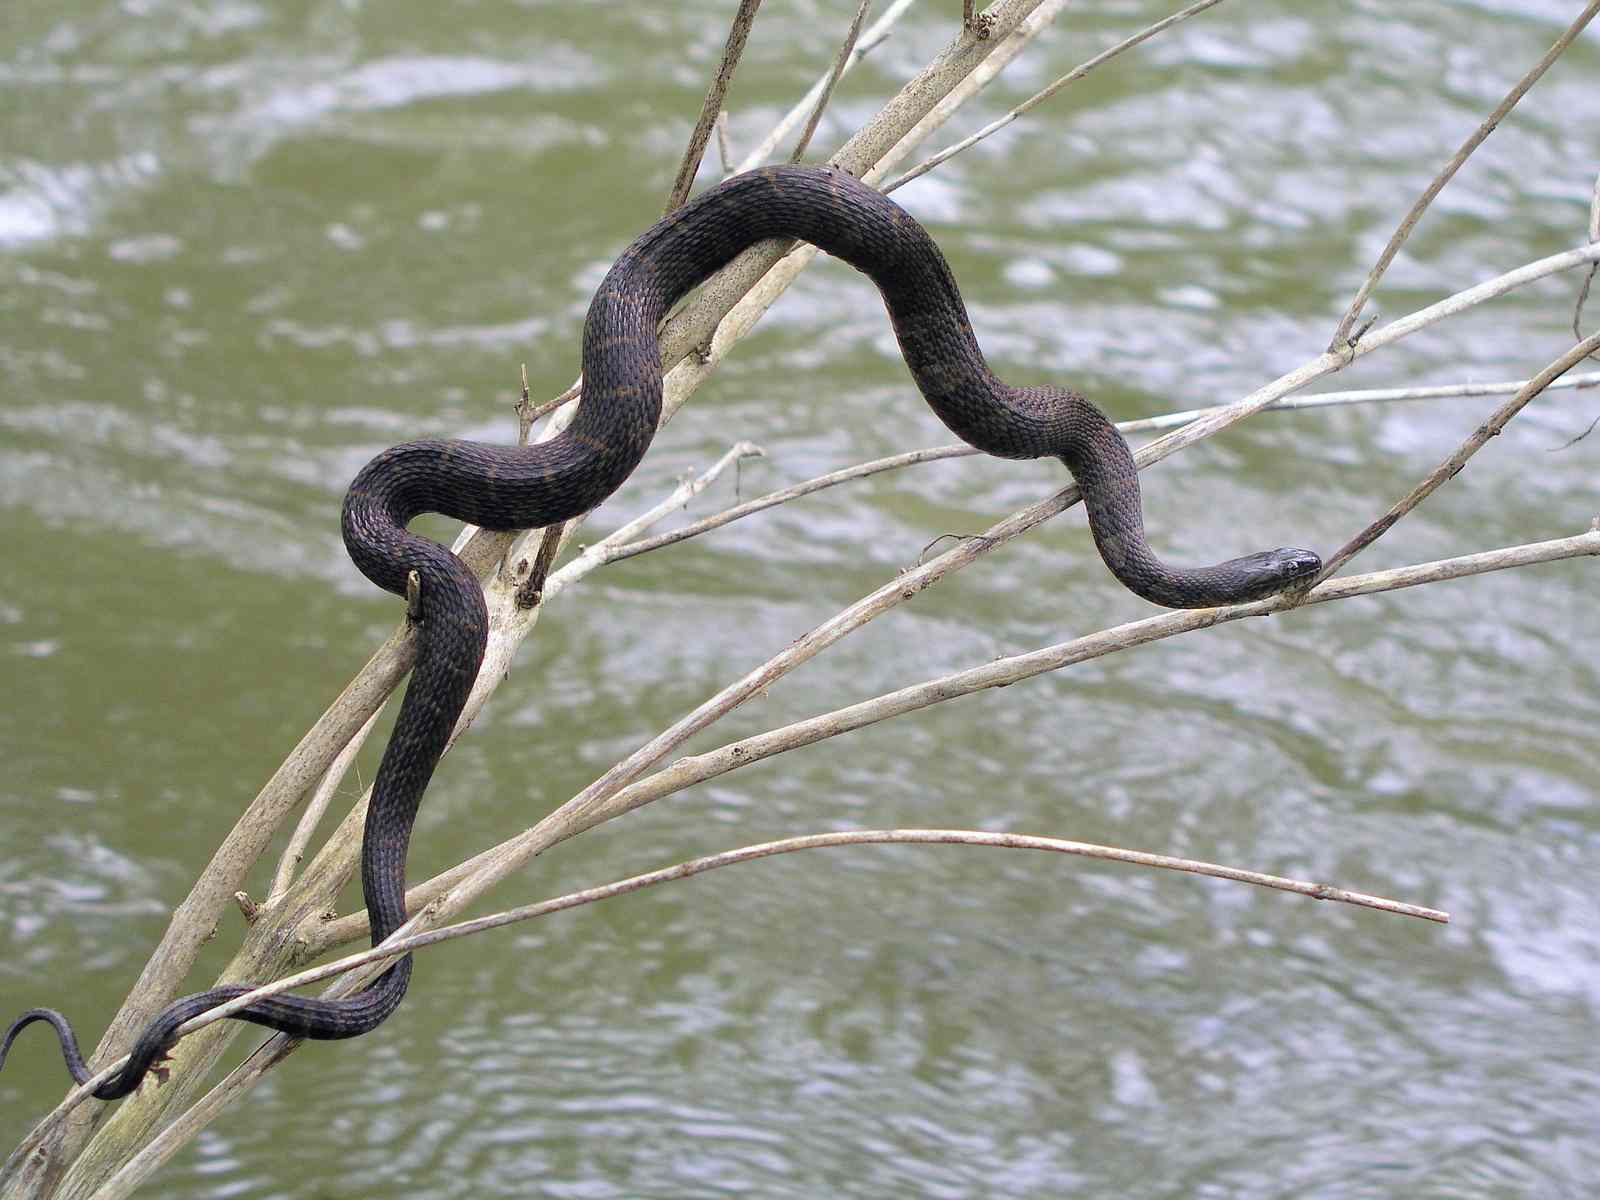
(530, 486)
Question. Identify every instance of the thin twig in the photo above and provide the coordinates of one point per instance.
(1570, 442)
(1583, 297)
(789, 845)
(531, 590)
(738, 34)
(1588, 279)
(327, 788)
(622, 550)
(1594, 212)
(1452, 465)
(1038, 98)
(1366, 396)
(1004, 672)
(525, 410)
(724, 150)
(601, 552)
(125, 1181)
(549, 406)
(874, 36)
(845, 49)
(1341, 335)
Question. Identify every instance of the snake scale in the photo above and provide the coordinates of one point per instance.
(505, 488)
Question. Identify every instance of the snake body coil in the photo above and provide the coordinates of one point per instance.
(506, 488)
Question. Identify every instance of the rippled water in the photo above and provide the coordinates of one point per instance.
(245, 246)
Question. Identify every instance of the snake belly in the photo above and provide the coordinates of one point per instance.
(522, 487)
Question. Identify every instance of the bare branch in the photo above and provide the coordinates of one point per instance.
(1453, 464)
(839, 63)
(1038, 98)
(1367, 396)
(526, 414)
(753, 853)
(724, 150)
(531, 590)
(1341, 335)
(1570, 442)
(728, 858)
(549, 406)
(604, 551)
(1594, 212)
(327, 788)
(874, 36)
(738, 34)
(619, 551)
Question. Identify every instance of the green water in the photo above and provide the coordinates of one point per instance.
(245, 246)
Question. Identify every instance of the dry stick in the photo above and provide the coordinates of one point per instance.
(894, 462)
(531, 590)
(618, 552)
(1078, 72)
(728, 858)
(1453, 464)
(738, 34)
(1341, 335)
(1001, 673)
(724, 150)
(316, 808)
(1364, 396)
(843, 57)
(875, 34)
(788, 845)
(686, 870)
(550, 406)
(480, 551)
(524, 410)
(1594, 212)
(1583, 291)
(452, 890)
(1004, 672)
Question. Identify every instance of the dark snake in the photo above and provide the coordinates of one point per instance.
(524, 487)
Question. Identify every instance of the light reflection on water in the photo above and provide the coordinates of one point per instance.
(243, 247)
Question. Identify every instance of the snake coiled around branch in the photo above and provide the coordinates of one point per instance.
(508, 488)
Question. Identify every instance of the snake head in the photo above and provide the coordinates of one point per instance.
(1275, 571)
